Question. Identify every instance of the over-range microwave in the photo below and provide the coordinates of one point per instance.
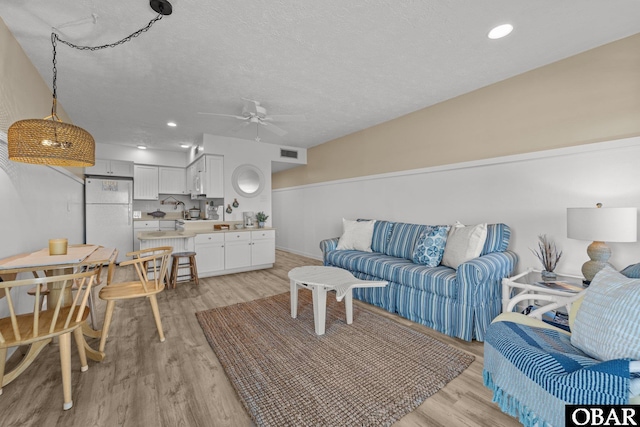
(198, 186)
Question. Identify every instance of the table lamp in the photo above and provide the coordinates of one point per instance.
(599, 225)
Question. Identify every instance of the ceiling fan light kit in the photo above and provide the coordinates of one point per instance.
(50, 141)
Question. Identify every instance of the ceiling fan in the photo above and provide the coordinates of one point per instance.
(254, 112)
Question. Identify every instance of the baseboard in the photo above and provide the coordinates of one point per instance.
(312, 256)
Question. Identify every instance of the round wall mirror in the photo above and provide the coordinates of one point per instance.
(248, 180)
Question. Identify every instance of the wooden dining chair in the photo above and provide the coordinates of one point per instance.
(37, 327)
(151, 269)
(103, 257)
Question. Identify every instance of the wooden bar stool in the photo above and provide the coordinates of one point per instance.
(177, 265)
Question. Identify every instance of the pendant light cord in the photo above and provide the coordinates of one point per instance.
(55, 38)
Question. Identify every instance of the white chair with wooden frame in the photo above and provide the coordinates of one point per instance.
(151, 268)
(37, 328)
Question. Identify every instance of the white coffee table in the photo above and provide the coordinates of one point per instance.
(319, 280)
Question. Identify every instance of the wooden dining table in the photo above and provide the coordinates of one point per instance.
(77, 257)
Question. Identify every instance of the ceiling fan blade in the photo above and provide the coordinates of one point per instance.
(240, 127)
(226, 115)
(273, 128)
(286, 118)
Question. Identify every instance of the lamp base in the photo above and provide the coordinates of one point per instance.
(599, 253)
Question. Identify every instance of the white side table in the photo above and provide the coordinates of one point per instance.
(548, 295)
(319, 280)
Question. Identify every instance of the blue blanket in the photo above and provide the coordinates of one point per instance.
(534, 372)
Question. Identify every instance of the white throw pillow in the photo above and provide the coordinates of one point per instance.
(356, 235)
(607, 325)
(464, 243)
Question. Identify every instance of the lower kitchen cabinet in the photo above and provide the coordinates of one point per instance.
(237, 250)
(210, 253)
(231, 252)
(263, 247)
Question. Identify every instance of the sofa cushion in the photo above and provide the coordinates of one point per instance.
(464, 243)
(356, 235)
(498, 236)
(437, 280)
(381, 235)
(607, 325)
(430, 245)
(403, 239)
(380, 265)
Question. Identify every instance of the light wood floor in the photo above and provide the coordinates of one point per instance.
(180, 382)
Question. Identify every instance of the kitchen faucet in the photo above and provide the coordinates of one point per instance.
(184, 213)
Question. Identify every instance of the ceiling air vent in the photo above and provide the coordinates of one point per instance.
(289, 153)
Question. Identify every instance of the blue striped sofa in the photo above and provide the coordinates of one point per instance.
(460, 303)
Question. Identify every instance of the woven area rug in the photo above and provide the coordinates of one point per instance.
(369, 373)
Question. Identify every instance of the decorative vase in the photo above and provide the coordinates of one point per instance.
(260, 224)
(548, 275)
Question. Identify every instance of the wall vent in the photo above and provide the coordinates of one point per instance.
(289, 153)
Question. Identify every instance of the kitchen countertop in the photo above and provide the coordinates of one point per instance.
(167, 217)
(170, 234)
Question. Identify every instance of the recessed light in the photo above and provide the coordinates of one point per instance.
(172, 124)
(185, 145)
(500, 31)
(142, 147)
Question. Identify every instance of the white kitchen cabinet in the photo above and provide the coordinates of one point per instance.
(263, 247)
(249, 248)
(190, 178)
(214, 177)
(105, 167)
(145, 182)
(210, 253)
(237, 253)
(172, 180)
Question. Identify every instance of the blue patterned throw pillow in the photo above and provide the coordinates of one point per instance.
(632, 271)
(430, 246)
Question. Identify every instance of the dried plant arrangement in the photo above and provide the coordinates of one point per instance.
(547, 253)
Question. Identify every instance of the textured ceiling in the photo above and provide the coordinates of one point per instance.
(345, 65)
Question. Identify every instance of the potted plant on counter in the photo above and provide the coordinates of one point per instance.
(262, 218)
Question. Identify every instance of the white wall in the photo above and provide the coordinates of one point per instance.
(528, 192)
(142, 157)
(38, 203)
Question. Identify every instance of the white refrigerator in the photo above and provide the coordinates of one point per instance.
(109, 214)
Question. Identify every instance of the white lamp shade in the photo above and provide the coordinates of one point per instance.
(603, 224)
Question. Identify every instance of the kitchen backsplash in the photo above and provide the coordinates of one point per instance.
(146, 206)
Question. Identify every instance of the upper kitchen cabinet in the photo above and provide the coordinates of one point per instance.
(172, 180)
(106, 167)
(145, 182)
(214, 183)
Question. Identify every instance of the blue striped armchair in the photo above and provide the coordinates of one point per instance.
(458, 302)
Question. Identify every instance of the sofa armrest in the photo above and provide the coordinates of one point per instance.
(328, 245)
(482, 276)
(480, 287)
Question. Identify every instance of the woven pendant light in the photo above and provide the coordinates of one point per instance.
(50, 141)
